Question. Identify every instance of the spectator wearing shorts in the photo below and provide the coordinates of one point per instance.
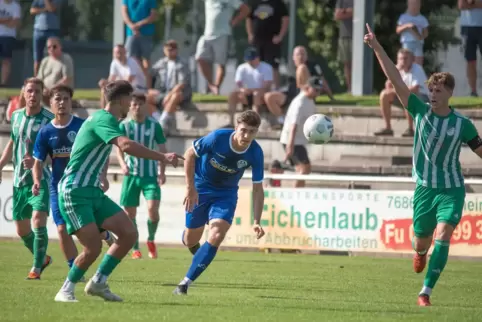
(46, 25)
(172, 85)
(415, 78)
(413, 29)
(253, 78)
(344, 14)
(213, 46)
(471, 23)
(266, 26)
(292, 138)
(9, 21)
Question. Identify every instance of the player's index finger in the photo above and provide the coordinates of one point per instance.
(368, 28)
(180, 157)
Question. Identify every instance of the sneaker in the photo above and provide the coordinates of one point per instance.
(419, 262)
(180, 290)
(151, 246)
(33, 276)
(48, 261)
(101, 290)
(408, 133)
(384, 132)
(136, 254)
(424, 300)
(66, 297)
(111, 239)
(474, 94)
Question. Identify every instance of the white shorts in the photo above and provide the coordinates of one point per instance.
(213, 50)
(416, 47)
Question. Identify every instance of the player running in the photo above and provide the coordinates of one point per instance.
(439, 196)
(214, 166)
(84, 206)
(29, 210)
(142, 175)
(55, 140)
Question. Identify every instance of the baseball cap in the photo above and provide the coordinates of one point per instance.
(316, 82)
(250, 53)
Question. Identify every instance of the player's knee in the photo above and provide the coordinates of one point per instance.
(444, 231)
(216, 235)
(93, 249)
(39, 219)
(62, 230)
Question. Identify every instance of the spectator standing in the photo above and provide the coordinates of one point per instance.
(471, 23)
(415, 78)
(139, 17)
(344, 14)
(413, 29)
(213, 46)
(9, 21)
(266, 26)
(172, 85)
(58, 67)
(46, 25)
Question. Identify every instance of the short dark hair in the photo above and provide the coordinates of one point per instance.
(61, 88)
(35, 81)
(139, 97)
(250, 118)
(444, 78)
(171, 43)
(116, 89)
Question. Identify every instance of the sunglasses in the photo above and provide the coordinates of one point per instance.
(52, 47)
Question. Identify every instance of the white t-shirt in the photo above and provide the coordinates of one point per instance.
(131, 68)
(301, 108)
(252, 78)
(9, 10)
(416, 76)
(419, 21)
(218, 15)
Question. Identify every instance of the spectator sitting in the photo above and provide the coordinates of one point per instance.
(275, 168)
(46, 25)
(253, 78)
(125, 68)
(413, 29)
(172, 85)
(304, 70)
(10, 10)
(415, 78)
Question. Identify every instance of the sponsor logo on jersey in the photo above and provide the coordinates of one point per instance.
(71, 136)
(221, 167)
(242, 164)
(451, 131)
(63, 152)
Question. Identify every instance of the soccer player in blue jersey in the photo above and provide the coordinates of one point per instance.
(214, 166)
(55, 139)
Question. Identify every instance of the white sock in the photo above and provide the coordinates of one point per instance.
(185, 281)
(426, 290)
(281, 119)
(99, 278)
(68, 286)
(35, 270)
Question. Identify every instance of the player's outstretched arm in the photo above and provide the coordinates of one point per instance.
(388, 67)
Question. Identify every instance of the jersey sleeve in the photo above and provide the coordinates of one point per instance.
(107, 128)
(205, 144)
(40, 148)
(258, 166)
(122, 128)
(469, 132)
(416, 106)
(159, 134)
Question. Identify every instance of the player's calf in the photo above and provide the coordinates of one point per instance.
(191, 238)
(420, 245)
(40, 244)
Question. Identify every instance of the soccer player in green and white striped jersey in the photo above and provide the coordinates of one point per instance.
(439, 195)
(142, 175)
(29, 210)
(82, 202)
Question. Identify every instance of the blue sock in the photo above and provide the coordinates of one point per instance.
(204, 256)
(70, 262)
(107, 235)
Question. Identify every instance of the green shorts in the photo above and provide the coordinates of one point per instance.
(24, 202)
(132, 187)
(344, 50)
(436, 205)
(82, 206)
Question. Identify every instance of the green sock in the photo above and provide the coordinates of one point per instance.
(40, 244)
(28, 241)
(437, 262)
(152, 229)
(75, 274)
(136, 245)
(106, 267)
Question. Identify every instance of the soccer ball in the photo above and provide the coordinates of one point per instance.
(318, 129)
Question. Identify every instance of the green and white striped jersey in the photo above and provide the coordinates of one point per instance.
(437, 144)
(23, 134)
(150, 134)
(90, 151)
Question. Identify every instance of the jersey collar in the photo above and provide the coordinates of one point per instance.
(231, 145)
(62, 126)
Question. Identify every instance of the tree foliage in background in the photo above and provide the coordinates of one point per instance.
(179, 17)
(322, 31)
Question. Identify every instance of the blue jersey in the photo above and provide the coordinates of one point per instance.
(219, 168)
(56, 141)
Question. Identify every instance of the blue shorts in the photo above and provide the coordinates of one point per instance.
(55, 209)
(139, 47)
(6, 46)
(211, 207)
(416, 47)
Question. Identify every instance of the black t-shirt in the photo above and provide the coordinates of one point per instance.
(266, 16)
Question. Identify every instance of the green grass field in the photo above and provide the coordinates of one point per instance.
(244, 287)
(342, 99)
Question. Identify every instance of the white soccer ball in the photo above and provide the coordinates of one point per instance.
(318, 129)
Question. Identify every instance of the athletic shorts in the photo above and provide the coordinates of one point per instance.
(6, 47)
(82, 206)
(211, 207)
(415, 47)
(300, 155)
(55, 209)
(24, 202)
(213, 50)
(250, 100)
(432, 206)
(345, 50)
(471, 39)
(139, 47)
(132, 187)
(269, 53)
